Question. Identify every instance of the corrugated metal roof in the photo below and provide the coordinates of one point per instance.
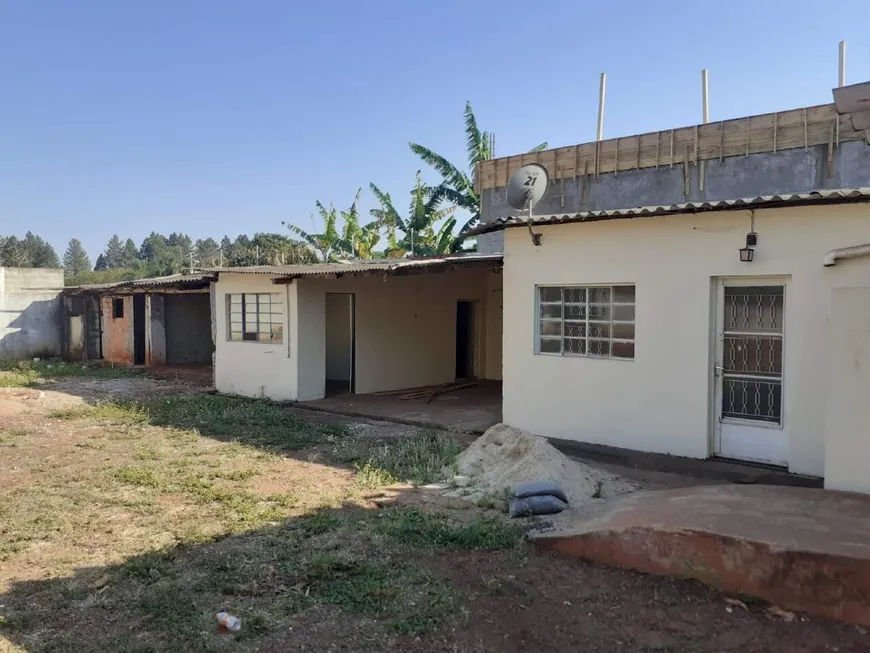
(356, 267)
(839, 195)
(171, 280)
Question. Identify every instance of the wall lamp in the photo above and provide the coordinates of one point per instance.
(748, 252)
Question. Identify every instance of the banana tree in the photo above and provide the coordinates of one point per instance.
(421, 227)
(457, 185)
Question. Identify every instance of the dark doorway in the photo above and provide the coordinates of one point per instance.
(464, 340)
(93, 329)
(340, 344)
(138, 329)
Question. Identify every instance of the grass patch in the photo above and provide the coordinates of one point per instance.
(419, 459)
(106, 411)
(19, 374)
(418, 530)
(257, 422)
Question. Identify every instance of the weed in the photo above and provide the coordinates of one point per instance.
(419, 459)
(599, 490)
(495, 500)
(141, 476)
(370, 476)
(106, 411)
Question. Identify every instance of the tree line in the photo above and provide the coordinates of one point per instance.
(428, 227)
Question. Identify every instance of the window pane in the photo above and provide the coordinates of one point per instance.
(599, 311)
(575, 295)
(623, 350)
(575, 311)
(576, 346)
(599, 347)
(551, 294)
(623, 294)
(550, 346)
(599, 295)
(551, 310)
(623, 313)
(235, 335)
(575, 329)
(599, 329)
(551, 328)
(623, 331)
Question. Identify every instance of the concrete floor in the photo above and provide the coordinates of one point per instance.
(800, 548)
(470, 410)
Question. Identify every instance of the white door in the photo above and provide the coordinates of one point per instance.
(749, 371)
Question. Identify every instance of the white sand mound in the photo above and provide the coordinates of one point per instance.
(504, 456)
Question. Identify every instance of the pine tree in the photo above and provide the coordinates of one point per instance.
(226, 252)
(152, 246)
(101, 264)
(131, 254)
(39, 253)
(114, 253)
(75, 260)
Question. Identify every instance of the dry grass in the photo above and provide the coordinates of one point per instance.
(150, 516)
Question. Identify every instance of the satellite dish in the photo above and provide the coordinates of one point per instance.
(526, 187)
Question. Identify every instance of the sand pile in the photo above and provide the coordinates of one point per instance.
(505, 455)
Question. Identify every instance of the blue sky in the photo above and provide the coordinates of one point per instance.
(221, 117)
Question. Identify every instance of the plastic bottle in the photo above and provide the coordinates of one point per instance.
(228, 621)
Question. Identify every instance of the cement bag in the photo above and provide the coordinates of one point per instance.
(537, 505)
(538, 488)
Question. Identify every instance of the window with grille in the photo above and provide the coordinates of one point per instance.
(255, 317)
(593, 321)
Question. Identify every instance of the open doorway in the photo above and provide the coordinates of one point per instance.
(465, 339)
(340, 343)
(139, 329)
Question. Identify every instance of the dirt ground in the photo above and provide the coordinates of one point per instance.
(132, 509)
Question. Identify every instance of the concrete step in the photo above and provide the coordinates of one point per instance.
(800, 548)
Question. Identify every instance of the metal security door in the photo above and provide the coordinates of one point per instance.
(749, 372)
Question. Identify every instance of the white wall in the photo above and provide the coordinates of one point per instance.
(661, 400)
(251, 368)
(847, 414)
(30, 312)
(405, 328)
(405, 333)
(338, 337)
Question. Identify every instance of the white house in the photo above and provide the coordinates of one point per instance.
(638, 322)
(307, 331)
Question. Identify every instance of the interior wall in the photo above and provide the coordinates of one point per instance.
(847, 409)
(405, 328)
(255, 369)
(188, 328)
(338, 336)
(660, 401)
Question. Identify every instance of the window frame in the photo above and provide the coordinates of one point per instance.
(266, 318)
(586, 320)
(117, 308)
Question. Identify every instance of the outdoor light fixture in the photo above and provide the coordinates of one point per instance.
(746, 253)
